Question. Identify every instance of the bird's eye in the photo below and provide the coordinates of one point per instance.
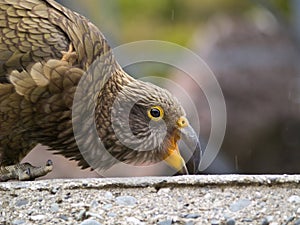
(155, 113)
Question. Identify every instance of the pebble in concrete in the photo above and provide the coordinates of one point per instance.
(192, 216)
(90, 222)
(126, 200)
(22, 202)
(215, 222)
(294, 199)
(18, 222)
(54, 208)
(134, 221)
(111, 214)
(37, 217)
(165, 222)
(64, 217)
(108, 195)
(190, 223)
(267, 220)
(297, 222)
(230, 221)
(239, 205)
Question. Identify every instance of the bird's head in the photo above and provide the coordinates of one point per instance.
(145, 124)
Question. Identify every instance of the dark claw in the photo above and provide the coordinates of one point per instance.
(49, 162)
(27, 171)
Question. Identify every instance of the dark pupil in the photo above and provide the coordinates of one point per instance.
(155, 113)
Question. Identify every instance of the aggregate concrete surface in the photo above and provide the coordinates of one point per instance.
(201, 199)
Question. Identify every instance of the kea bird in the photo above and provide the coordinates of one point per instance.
(48, 56)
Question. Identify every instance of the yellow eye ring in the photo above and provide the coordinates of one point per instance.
(155, 113)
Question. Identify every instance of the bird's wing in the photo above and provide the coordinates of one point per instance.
(36, 86)
(27, 36)
(38, 30)
(49, 89)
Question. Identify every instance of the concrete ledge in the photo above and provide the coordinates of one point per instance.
(204, 199)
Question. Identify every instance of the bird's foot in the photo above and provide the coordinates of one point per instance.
(24, 171)
(70, 56)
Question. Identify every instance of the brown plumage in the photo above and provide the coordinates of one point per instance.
(45, 51)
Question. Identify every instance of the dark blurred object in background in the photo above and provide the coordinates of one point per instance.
(258, 70)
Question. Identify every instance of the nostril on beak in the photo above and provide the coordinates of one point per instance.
(182, 122)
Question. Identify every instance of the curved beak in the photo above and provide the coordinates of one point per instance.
(192, 151)
(187, 159)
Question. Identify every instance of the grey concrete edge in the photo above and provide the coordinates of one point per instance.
(156, 182)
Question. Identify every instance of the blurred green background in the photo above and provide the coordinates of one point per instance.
(125, 21)
(170, 20)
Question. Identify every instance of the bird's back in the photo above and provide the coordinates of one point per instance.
(36, 85)
(38, 30)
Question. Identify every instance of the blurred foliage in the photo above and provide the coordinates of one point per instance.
(124, 21)
(170, 20)
(282, 5)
